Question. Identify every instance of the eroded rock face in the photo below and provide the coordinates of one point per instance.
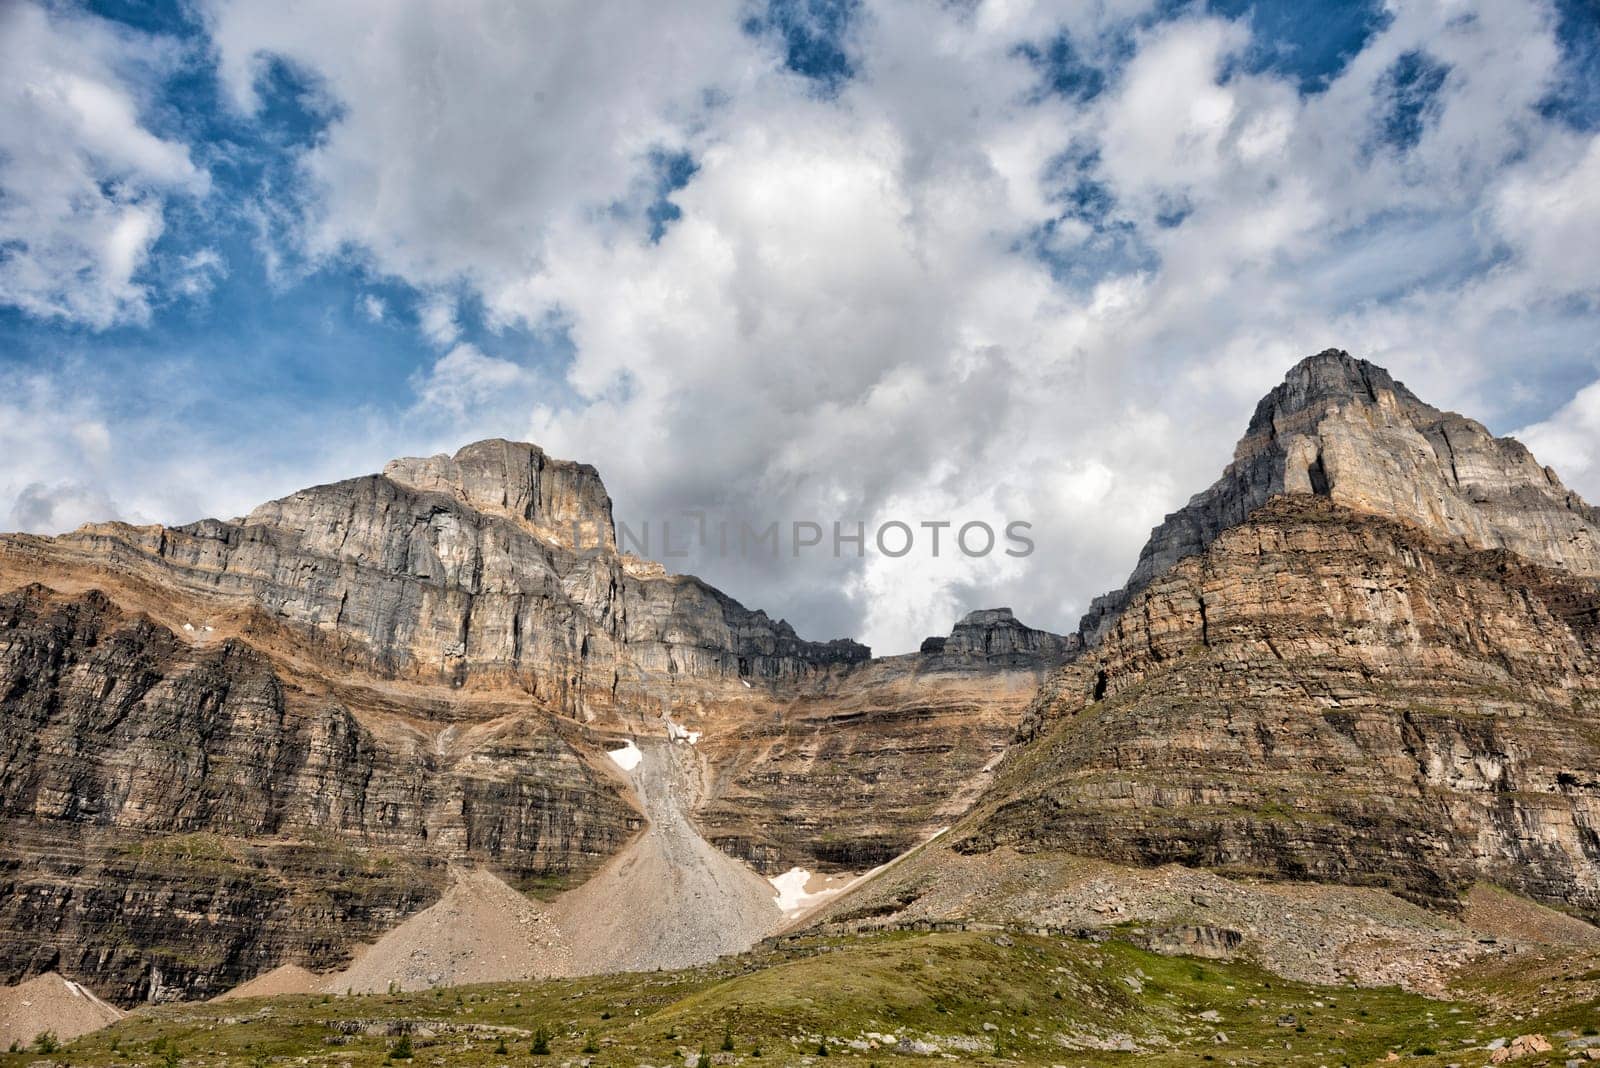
(178, 815)
(1344, 429)
(1325, 694)
(408, 670)
(496, 564)
(848, 775)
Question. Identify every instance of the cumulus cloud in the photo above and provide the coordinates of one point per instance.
(82, 180)
(1549, 211)
(465, 380)
(992, 261)
(469, 127)
(1569, 441)
(936, 288)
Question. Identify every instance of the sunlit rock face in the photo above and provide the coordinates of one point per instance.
(269, 736)
(1370, 654)
(495, 564)
(1342, 428)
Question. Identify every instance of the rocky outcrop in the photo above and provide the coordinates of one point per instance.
(1342, 428)
(991, 636)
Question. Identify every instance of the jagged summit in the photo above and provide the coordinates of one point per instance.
(561, 500)
(1331, 376)
(497, 563)
(1344, 428)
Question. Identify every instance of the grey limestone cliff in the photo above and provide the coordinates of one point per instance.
(1343, 428)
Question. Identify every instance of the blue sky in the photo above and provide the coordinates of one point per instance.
(794, 259)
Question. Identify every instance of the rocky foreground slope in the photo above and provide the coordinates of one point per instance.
(232, 746)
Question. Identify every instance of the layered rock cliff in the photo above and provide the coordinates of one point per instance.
(854, 771)
(1342, 428)
(995, 636)
(403, 671)
(178, 814)
(496, 565)
(1369, 654)
(1329, 695)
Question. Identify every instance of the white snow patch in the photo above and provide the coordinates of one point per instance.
(793, 897)
(746, 683)
(627, 758)
(188, 626)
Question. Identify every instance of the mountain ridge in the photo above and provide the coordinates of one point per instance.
(422, 664)
(1367, 655)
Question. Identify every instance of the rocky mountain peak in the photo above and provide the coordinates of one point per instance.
(1345, 429)
(560, 500)
(1331, 378)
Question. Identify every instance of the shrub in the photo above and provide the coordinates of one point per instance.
(822, 1047)
(401, 1050)
(589, 1044)
(500, 1047)
(727, 1038)
(541, 1040)
(45, 1042)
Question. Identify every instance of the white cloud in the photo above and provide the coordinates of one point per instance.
(82, 181)
(436, 317)
(373, 307)
(850, 318)
(1569, 441)
(465, 379)
(1550, 211)
(470, 127)
(199, 272)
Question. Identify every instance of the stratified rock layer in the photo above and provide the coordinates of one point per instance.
(495, 565)
(1344, 429)
(994, 636)
(178, 816)
(1329, 695)
(405, 671)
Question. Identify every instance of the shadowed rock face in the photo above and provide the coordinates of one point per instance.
(1344, 429)
(178, 816)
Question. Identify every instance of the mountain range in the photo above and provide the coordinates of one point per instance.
(1354, 683)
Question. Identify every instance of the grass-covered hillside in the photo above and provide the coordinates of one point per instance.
(906, 998)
